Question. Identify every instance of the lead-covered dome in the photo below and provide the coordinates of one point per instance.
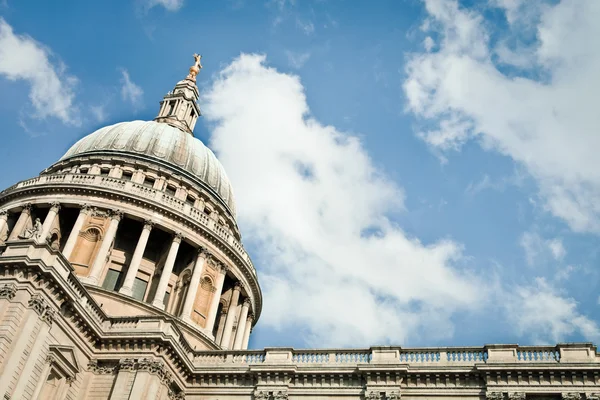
(164, 143)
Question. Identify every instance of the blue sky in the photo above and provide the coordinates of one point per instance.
(453, 189)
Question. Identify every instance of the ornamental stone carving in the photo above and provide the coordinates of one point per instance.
(280, 395)
(373, 395)
(96, 368)
(116, 214)
(49, 315)
(593, 396)
(148, 224)
(127, 364)
(37, 303)
(8, 291)
(393, 396)
(516, 396)
(571, 396)
(494, 396)
(55, 206)
(261, 395)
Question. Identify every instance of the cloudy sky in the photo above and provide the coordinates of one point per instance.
(408, 172)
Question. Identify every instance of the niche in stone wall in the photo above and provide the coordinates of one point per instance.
(203, 300)
(87, 245)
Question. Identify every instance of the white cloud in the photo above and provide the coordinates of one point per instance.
(545, 119)
(98, 112)
(169, 5)
(307, 27)
(541, 311)
(314, 206)
(297, 60)
(52, 89)
(130, 91)
(539, 250)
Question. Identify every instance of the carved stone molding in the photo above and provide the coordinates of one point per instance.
(127, 364)
(96, 368)
(494, 396)
(176, 396)
(516, 396)
(280, 395)
(85, 209)
(395, 395)
(49, 315)
(261, 395)
(8, 291)
(571, 396)
(373, 395)
(37, 303)
(593, 396)
(50, 359)
(4, 214)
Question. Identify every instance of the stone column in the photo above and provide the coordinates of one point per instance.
(21, 222)
(247, 331)
(161, 289)
(214, 304)
(136, 260)
(190, 297)
(235, 297)
(3, 224)
(100, 260)
(49, 221)
(72, 240)
(239, 334)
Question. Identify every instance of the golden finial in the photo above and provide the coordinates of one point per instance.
(195, 69)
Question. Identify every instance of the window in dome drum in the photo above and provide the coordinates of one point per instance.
(139, 289)
(149, 182)
(112, 280)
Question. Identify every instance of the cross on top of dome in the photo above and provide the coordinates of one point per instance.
(179, 107)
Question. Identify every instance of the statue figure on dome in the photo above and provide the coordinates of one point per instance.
(33, 232)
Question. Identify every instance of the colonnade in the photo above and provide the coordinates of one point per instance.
(238, 311)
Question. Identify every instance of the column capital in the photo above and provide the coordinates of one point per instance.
(27, 208)
(203, 252)
(148, 224)
(237, 286)
(116, 214)
(178, 237)
(55, 206)
(247, 303)
(85, 208)
(3, 213)
(250, 316)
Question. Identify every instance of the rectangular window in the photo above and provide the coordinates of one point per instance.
(127, 175)
(104, 171)
(139, 289)
(171, 190)
(149, 182)
(190, 200)
(166, 298)
(112, 280)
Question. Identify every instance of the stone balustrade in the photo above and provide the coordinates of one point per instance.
(430, 357)
(129, 188)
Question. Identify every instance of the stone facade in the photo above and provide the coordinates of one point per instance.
(123, 276)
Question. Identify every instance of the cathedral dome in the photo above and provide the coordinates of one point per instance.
(164, 143)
